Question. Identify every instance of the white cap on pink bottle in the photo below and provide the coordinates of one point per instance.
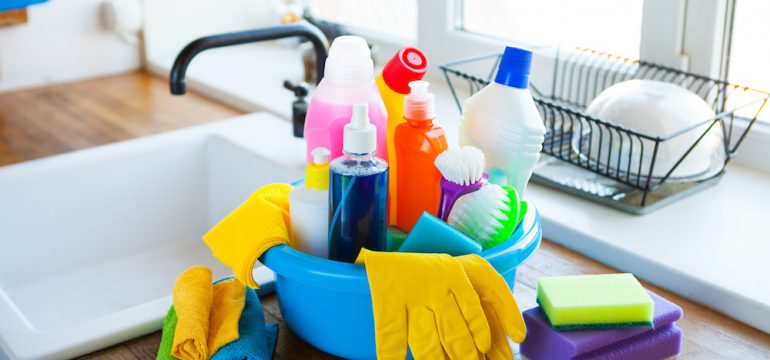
(349, 61)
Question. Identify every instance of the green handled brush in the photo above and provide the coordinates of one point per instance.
(489, 215)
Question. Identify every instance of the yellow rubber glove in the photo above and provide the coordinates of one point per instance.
(500, 307)
(424, 300)
(260, 223)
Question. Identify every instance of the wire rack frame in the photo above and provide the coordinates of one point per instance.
(616, 152)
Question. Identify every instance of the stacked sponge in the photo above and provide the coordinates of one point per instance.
(600, 316)
(594, 301)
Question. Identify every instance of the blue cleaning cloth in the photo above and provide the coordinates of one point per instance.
(256, 339)
(432, 235)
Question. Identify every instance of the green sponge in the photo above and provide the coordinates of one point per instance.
(395, 237)
(594, 301)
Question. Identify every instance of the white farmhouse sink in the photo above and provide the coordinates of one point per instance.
(91, 241)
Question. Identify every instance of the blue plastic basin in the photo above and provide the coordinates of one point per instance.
(328, 303)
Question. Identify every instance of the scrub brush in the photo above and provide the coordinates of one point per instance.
(489, 215)
(462, 170)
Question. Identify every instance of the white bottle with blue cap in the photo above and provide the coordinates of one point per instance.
(502, 120)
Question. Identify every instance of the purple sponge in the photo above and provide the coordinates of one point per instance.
(661, 341)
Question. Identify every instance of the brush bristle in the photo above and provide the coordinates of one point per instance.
(462, 166)
(482, 213)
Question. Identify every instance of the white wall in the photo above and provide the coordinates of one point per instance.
(64, 40)
(167, 29)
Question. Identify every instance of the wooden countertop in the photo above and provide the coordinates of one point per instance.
(41, 122)
(707, 334)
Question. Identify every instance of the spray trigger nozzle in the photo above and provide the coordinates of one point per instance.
(360, 117)
(359, 136)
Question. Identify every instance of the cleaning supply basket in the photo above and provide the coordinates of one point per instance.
(603, 161)
(328, 303)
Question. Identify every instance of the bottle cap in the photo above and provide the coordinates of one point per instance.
(419, 104)
(360, 136)
(349, 61)
(514, 68)
(407, 65)
(317, 172)
(320, 155)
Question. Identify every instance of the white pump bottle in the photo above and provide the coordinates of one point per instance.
(309, 207)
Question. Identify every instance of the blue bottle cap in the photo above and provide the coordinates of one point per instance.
(514, 68)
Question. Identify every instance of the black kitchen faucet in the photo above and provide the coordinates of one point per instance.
(304, 30)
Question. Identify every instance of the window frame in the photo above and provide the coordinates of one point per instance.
(687, 35)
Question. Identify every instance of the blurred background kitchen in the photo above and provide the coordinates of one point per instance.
(76, 74)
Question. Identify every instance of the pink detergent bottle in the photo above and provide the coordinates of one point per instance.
(348, 79)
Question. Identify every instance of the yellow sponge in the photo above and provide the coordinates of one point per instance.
(594, 301)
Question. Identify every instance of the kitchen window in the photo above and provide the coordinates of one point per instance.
(749, 50)
(394, 18)
(608, 25)
(690, 35)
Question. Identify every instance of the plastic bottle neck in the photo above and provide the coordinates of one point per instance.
(512, 88)
(349, 62)
(359, 157)
(349, 82)
(317, 176)
(419, 123)
(515, 82)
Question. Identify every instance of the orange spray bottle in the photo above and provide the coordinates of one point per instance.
(407, 65)
(417, 143)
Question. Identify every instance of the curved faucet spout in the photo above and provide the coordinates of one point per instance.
(305, 30)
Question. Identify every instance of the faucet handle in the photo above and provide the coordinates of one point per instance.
(300, 90)
(299, 106)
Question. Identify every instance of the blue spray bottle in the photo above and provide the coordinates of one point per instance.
(358, 192)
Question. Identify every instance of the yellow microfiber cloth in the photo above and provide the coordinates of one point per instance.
(193, 296)
(229, 299)
(206, 315)
(254, 227)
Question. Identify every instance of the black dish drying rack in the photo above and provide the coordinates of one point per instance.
(634, 185)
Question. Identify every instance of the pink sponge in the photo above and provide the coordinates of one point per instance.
(661, 341)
